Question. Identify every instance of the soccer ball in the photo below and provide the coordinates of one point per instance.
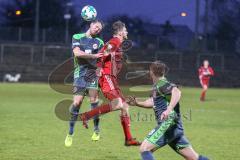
(88, 13)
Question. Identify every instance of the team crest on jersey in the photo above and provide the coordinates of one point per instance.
(75, 89)
(76, 44)
(95, 46)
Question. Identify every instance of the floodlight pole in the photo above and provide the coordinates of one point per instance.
(206, 16)
(67, 17)
(36, 25)
(206, 22)
(197, 19)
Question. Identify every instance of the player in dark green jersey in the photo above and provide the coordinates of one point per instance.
(85, 47)
(169, 130)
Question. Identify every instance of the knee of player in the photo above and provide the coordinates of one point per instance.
(143, 148)
(124, 106)
(191, 157)
(77, 103)
(93, 99)
(118, 106)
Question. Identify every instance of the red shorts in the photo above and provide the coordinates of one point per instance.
(204, 82)
(110, 87)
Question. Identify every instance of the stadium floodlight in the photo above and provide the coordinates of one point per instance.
(183, 14)
(179, 14)
(18, 12)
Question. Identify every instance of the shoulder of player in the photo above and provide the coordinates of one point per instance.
(164, 82)
(210, 68)
(79, 36)
(114, 40)
(101, 42)
(164, 87)
(201, 69)
(161, 82)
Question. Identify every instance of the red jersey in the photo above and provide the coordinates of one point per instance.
(205, 73)
(111, 63)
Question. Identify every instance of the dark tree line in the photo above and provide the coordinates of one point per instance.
(52, 16)
(225, 20)
(51, 13)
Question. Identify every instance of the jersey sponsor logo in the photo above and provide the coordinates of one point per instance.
(88, 51)
(110, 83)
(93, 82)
(75, 89)
(76, 44)
(95, 46)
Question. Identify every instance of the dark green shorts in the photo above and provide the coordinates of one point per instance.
(169, 132)
(81, 86)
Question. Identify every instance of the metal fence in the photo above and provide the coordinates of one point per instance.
(21, 54)
(36, 62)
(27, 35)
(33, 54)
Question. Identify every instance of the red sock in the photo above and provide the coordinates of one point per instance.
(203, 95)
(105, 108)
(125, 120)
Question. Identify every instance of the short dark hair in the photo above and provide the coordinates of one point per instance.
(98, 21)
(117, 26)
(159, 68)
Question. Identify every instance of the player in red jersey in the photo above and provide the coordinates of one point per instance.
(108, 68)
(204, 73)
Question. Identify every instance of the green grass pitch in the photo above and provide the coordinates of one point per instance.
(29, 129)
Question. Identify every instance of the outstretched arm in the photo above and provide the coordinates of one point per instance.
(211, 72)
(200, 74)
(132, 101)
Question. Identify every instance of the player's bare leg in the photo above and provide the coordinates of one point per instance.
(146, 149)
(115, 104)
(189, 154)
(204, 90)
(74, 110)
(77, 102)
(93, 96)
